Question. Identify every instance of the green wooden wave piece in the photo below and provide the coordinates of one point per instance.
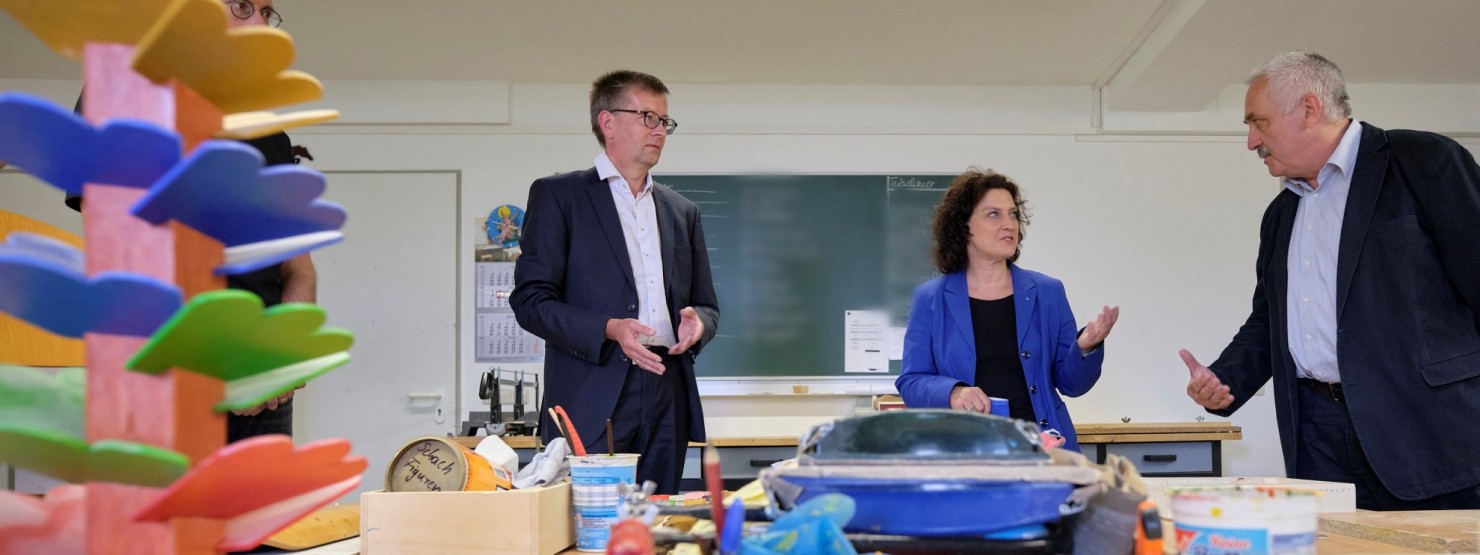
(72, 459)
(228, 335)
(50, 399)
(258, 388)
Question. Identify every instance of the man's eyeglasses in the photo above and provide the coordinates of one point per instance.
(651, 120)
(244, 9)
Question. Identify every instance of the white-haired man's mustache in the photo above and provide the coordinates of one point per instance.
(1262, 152)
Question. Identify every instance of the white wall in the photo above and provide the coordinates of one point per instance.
(1157, 213)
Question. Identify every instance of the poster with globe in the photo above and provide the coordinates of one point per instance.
(504, 224)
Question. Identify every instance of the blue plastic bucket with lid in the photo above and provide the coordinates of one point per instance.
(942, 508)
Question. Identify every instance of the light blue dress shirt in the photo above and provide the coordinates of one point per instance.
(1314, 244)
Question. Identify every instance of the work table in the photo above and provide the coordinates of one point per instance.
(1356, 533)
(1157, 449)
(1353, 533)
(1088, 433)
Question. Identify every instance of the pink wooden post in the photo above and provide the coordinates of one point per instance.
(171, 410)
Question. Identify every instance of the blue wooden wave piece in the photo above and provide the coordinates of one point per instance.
(223, 190)
(63, 149)
(41, 284)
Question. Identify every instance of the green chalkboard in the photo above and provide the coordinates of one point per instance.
(792, 254)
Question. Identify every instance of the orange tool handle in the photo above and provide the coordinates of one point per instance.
(570, 430)
(1148, 529)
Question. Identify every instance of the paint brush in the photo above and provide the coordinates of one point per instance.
(716, 488)
(555, 421)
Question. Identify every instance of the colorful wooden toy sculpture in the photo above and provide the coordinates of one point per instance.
(168, 212)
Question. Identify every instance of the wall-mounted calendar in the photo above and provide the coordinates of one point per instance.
(498, 337)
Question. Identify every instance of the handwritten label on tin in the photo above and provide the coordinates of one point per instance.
(428, 466)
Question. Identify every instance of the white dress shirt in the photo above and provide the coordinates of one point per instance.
(639, 218)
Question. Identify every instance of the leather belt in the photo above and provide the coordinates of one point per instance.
(1330, 391)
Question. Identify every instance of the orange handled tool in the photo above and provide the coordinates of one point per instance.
(1148, 529)
(570, 431)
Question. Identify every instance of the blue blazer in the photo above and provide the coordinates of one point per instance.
(1407, 315)
(940, 347)
(574, 274)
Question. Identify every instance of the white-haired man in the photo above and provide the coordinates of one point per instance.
(1366, 312)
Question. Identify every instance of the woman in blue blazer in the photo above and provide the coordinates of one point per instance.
(988, 328)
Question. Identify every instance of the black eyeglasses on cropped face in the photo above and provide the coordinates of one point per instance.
(244, 9)
(651, 119)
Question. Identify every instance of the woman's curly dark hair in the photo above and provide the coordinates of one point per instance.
(953, 216)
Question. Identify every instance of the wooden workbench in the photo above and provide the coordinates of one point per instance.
(1088, 433)
(1157, 449)
(532, 442)
(1161, 449)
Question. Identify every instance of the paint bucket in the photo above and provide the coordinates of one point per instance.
(1243, 520)
(594, 495)
(438, 464)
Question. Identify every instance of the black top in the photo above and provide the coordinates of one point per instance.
(999, 372)
(266, 283)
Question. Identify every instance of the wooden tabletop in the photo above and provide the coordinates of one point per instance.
(328, 524)
(1157, 428)
(532, 442)
(1337, 544)
(1331, 544)
(751, 442)
(1426, 531)
(1088, 433)
(1158, 432)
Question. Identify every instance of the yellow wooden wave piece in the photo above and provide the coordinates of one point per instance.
(239, 70)
(252, 125)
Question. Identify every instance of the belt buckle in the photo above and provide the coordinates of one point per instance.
(1334, 390)
(1328, 390)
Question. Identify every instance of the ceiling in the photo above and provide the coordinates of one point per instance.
(1152, 54)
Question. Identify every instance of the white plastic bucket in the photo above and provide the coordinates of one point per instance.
(594, 495)
(1242, 520)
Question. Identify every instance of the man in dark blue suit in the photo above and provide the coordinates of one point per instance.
(614, 276)
(1366, 311)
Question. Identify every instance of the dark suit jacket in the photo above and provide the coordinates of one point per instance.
(940, 347)
(1407, 312)
(574, 275)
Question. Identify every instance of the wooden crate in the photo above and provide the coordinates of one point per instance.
(524, 522)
